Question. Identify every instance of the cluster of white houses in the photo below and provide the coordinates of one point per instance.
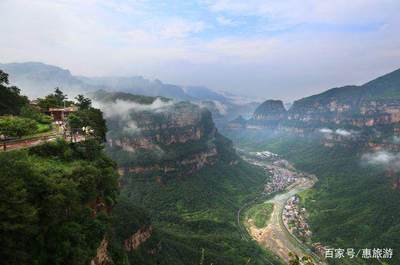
(281, 178)
(294, 218)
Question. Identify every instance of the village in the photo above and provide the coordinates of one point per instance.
(284, 175)
(294, 219)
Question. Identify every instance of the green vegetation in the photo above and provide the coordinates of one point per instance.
(91, 117)
(15, 126)
(55, 100)
(199, 213)
(195, 217)
(11, 101)
(50, 197)
(35, 114)
(55, 198)
(346, 205)
(260, 213)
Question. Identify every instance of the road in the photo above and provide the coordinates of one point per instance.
(26, 143)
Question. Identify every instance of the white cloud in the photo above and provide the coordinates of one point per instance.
(343, 132)
(130, 127)
(222, 109)
(325, 130)
(386, 159)
(122, 108)
(306, 11)
(106, 37)
(224, 21)
(180, 28)
(379, 158)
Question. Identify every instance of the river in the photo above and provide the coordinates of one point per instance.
(275, 236)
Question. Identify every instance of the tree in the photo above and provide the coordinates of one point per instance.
(93, 118)
(10, 99)
(18, 216)
(55, 100)
(17, 126)
(83, 102)
(59, 96)
(3, 78)
(34, 114)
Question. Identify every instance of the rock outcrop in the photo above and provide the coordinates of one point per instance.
(173, 139)
(269, 114)
(374, 103)
(102, 257)
(347, 115)
(133, 242)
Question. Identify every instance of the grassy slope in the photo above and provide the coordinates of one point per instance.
(260, 214)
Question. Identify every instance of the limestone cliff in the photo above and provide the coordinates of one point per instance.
(160, 140)
(374, 103)
(141, 236)
(269, 114)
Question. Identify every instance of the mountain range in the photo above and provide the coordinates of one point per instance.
(372, 104)
(37, 79)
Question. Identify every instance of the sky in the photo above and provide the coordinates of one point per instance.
(280, 49)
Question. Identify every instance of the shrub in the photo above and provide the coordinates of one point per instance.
(17, 126)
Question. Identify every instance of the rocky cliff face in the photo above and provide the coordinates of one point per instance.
(102, 257)
(374, 103)
(141, 236)
(161, 139)
(269, 113)
(369, 113)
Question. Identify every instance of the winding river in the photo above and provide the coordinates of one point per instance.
(275, 236)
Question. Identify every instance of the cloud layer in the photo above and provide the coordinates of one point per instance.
(341, 132)
(267, 48)
(121, 110)
(388, 160)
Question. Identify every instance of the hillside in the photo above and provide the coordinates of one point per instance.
(55, 200)
(367, 114)
(374, 103)
(347, 137)
(346, 203)
(187, 176)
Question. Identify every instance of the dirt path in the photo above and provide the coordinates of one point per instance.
(36, 141)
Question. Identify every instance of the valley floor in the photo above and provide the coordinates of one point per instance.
(275, 236)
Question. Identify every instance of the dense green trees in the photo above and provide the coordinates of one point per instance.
(193, 215)
(83, 102)
(10, 99)
(16, 126)
(91, 117)
(35, 114)
(55, 100)
(54, 201)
